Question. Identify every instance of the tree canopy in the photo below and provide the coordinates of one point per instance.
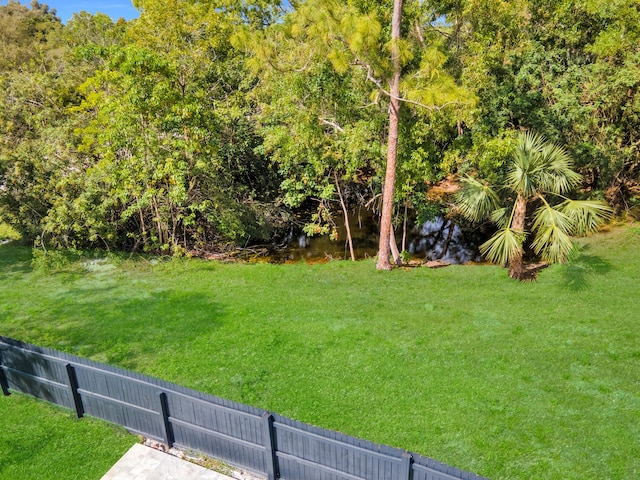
(207, 125)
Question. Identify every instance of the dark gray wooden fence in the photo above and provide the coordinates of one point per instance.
(240, 435)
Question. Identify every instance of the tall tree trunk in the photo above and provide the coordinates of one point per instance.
(346, 218)
(384, 249)
(515, 261)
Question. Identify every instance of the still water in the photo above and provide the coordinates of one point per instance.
(440, 239)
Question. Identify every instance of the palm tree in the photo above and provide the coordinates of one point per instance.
(539, 176)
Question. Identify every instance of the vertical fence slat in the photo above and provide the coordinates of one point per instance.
(405, 466)
(73, 385)
(166, 425)
(4, 383)
(269, 444)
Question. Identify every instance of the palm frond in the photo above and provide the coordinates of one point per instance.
(503, 245)
(475, 200)
(552, 229)
(500, 216)
(541, 166)
(587, 215)
(548, 216)
(552, 243)
(526, 164)
(558, 175)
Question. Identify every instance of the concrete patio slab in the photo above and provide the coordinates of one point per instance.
(145, 463)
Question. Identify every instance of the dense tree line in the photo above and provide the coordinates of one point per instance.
(205, 125)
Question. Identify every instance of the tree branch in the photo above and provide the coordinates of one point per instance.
(331, 124)
(378, 84)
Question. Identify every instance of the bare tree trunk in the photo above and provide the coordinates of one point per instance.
(144, 228)
(515, 261)
(384, 248)
(404, 228)
(397, 258)
(346, 217)
(159, 225)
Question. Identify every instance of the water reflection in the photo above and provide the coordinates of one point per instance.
(440, 239)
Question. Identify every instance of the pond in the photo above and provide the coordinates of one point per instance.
(441, 239)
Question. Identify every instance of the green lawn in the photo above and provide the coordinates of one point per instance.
(509, 380)
(40, 441)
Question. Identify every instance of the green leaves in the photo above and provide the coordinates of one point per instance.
(503, 246)
(539, 172)
(199, 120)
(475, 200)
(586, 216)
(574, 81)
(554, 225)
(552, 229)
(540, 167)
(366, 31)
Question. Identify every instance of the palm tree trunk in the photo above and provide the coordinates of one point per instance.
(517, 223)
(384, 249)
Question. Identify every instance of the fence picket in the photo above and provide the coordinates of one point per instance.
(73, 385)
(164, 414)
(4, 383)
(271, 459)
(239, 434)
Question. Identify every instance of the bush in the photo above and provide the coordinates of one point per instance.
(8, 233)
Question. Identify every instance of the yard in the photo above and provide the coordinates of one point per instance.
(41, 441)
(462, 364)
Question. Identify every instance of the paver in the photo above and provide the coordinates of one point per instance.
(145, 463)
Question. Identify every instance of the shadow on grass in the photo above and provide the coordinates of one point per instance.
(131, 327)
(581, 267)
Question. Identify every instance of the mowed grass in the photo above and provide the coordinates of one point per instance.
(40, 441)
(509, 380)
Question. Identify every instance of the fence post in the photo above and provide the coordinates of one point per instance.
(166, 425)
(4, 383)
(269, 444)
(405, 466)
(73, 385)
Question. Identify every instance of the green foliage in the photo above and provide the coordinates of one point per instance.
(8, 233)
(204, 124)
(324, 99)
(538, 166)
(539, 173)
(24, 32)
(477, 200)
(503, 245)
(136, 136)
(574, 82)
(56, 261)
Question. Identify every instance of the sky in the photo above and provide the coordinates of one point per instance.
(66, 8)
(114, 8)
